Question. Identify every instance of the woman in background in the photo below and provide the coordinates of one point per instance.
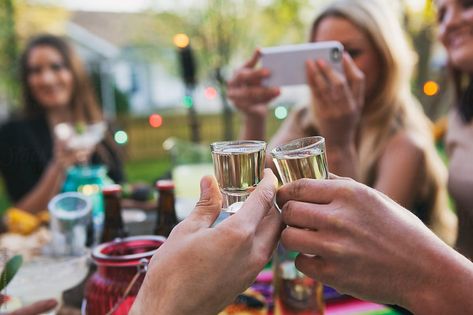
(455, 19)
(374, 128)
(55, 89)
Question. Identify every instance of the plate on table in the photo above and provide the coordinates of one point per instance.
(46, 277)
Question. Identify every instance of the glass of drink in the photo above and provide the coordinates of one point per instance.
(294, 292)
(301, 158)
(70, 214)
(190, 162)
(81, 136)
(238, 166)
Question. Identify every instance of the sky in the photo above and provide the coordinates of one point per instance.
(126, 5)
(107, 5)
(139, 5)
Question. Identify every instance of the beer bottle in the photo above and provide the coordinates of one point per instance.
(166, 213)
(113, 224)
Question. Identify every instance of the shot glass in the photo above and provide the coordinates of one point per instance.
(238, 167)
(301, 158)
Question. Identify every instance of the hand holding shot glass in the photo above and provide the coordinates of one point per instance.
(300, 158)
(238, 168)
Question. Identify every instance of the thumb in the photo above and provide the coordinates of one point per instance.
(209, 205)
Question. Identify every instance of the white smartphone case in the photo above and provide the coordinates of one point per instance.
(288, 63)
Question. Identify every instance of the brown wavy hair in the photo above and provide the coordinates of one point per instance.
(84, 106)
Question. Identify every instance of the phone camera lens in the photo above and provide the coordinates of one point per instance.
(336, 54)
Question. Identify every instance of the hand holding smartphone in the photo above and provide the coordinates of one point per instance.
(287, 63)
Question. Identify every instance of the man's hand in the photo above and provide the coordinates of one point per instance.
(362, 243)
(200, 269)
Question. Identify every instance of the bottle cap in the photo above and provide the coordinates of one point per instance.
(165, 184)
(111, 189)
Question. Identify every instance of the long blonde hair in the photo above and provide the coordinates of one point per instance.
(393, 108)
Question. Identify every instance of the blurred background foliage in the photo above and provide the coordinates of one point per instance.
(223, 33)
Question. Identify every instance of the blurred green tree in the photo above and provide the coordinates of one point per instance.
(222, 31)
(19, 20)
(8, 53)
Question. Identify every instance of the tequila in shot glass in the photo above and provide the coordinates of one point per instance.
(295, 293)
(238, 167)
(301, 158)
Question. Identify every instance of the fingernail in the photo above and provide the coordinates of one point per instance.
(204, 184)
(265, 71)
(321, 63)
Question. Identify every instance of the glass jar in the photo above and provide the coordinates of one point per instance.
(121, 265)
(190, 162)
(294, 292)
(89, 180)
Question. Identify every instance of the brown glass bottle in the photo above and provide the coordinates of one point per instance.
(113, 224)
(166, 213)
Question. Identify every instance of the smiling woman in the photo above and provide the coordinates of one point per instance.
(55, 89)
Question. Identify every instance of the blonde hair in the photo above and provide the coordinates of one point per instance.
(393, 108)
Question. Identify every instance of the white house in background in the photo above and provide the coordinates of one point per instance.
(106, 42)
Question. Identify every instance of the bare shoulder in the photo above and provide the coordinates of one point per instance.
(405, 147)
(401, 168)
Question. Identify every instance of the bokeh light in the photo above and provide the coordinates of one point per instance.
(181, 40)
(188, 101)
(121, 137)
(431, 88)
(415, 5)
(210, 93)
(280, 112)
(89, 189)
(155, 120)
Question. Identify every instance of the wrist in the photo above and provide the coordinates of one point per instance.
(343, 144)
(57, 166)
(147, 301)
(256, 116)
(340, 153)
(255, 127)
(444, 286)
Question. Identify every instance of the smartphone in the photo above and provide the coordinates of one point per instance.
(287, 63)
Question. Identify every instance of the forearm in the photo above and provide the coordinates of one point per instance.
(343, 161)
(254, 128)
(49, 185)
(449, 288)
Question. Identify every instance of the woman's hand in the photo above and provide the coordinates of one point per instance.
(65, 157)
(247, 92)
(200, 269)
(362, 243)
(36, 308)
(337, 99)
